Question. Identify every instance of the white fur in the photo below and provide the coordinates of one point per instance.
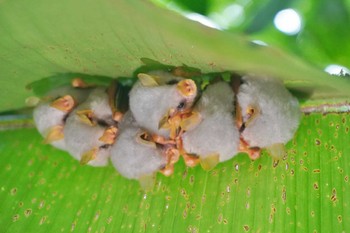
(279, 117)
(80, 137)
(46, 117)
(217, 132)
(98, 102)
(149, 104)
(132, 159)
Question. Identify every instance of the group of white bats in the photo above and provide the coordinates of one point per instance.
(168, 117)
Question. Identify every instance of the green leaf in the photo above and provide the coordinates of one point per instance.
(43, 189)
(109, 38)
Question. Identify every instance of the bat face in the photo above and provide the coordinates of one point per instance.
(50, 115)
(90, 129)
(215, 138)
(154, 104)
(270, 113)
(133, 154)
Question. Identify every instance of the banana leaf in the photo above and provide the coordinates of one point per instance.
(43, 189)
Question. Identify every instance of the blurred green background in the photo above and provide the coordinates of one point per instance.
(45, 190)
(317, 30)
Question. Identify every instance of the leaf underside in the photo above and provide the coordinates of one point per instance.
(108, 38)
(43, 189)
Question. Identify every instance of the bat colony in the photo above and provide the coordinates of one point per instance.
(168, 116)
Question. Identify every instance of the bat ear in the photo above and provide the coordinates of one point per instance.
(163, 122)
(190, 122)
(86, 116)
(143, 138)
(210, 161)
(187, 88)
(65, 103)
(277, 151)
(147, 182)
(251, 113)
(148, 80)
(88, 156)
(55, 133)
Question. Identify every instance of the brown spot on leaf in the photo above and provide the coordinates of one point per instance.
(220, 218)
(246, 228)
(28, 212)
(191, 180)
(317, 142)
(312, 213)
(334, 195)
(184, 214)
(340, 218)
(42, 220)
(288, 210)
(284, 194)
(15, 218)
(13, 191)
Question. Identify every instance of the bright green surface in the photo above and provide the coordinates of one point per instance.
(45, 190)
(42, 38)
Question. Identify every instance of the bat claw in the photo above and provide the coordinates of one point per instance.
(190, 160)
(168, 170)
(109, 135)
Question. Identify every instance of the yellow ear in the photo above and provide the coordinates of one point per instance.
(65, 103)
(187, 87)
(277, 151)
(55, 133)
(147, 182)
(252, 112)
(143, 138)
(163, 122)
(210, 161)
(86, 116)
(191, 121)
(109, 135)
(148, 80)
(79, 83)
(88, 156)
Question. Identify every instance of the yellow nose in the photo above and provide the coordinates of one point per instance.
(187, 87)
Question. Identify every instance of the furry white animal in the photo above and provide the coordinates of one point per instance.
(270, 114)
(134, 156)
(49, 116)
(90, 129)
(216, 138)
(157, 97)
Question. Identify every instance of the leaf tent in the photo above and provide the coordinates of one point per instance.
(43, 189)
